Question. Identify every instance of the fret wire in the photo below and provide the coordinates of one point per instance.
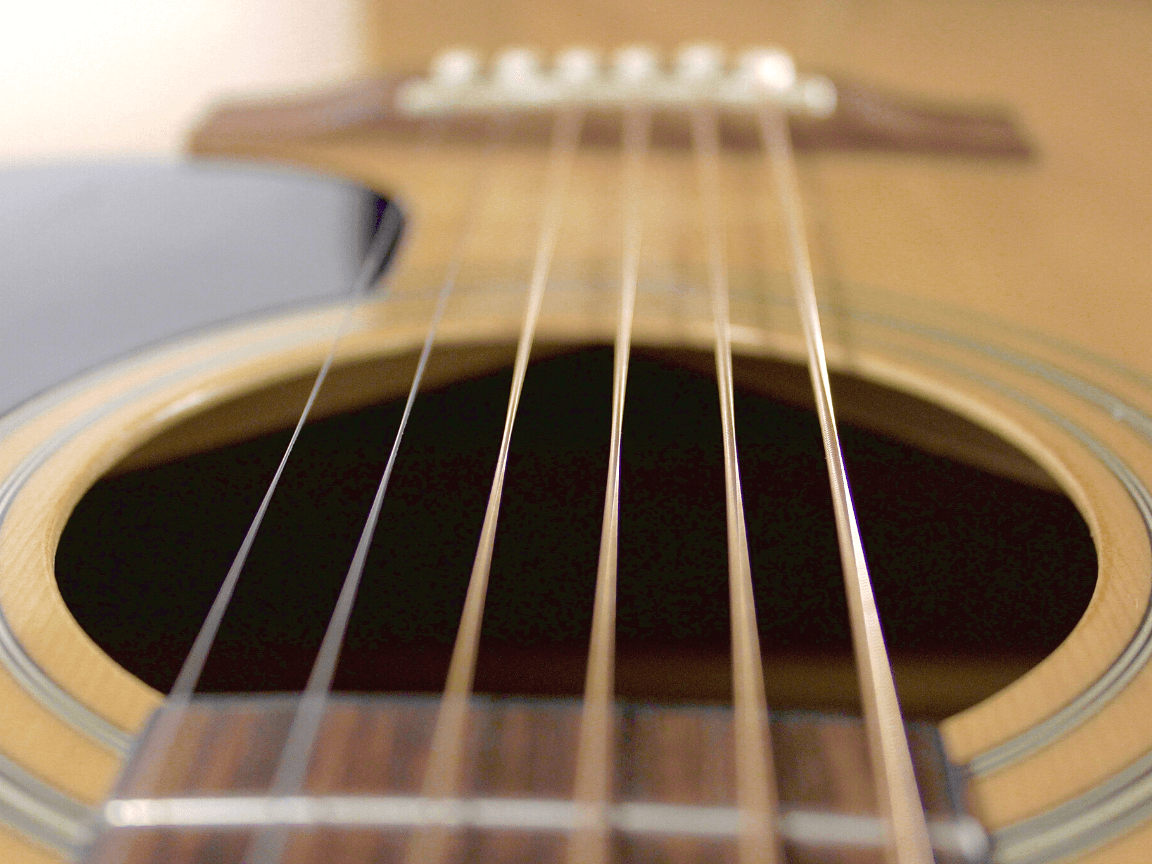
(755, 785)
(896, 790)
(383, 243)
(593, 787)
(446, 752)
(268, 846)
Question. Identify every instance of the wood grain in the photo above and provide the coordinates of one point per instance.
(514, 750)
(1048, 259)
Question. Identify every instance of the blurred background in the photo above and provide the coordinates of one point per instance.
(132, 76)
(118, 77)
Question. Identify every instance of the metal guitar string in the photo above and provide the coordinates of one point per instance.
(756, 796)
(382, 245)
(295, 756)
(593, 786)
(446, 752)
(756, 800)
(896, 790)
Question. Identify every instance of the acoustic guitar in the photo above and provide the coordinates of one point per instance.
(622, 613)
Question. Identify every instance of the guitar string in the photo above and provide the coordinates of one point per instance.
(442, 774)
(745, 641)
(169, 721)
(593, 787)
(896, 790)
(300, 741)
(756, 798)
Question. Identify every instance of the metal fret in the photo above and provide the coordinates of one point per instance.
(960, 836)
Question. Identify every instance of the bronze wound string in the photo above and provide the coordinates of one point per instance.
(442, 776)
(756, 797)
(892, 765)
(593, 787)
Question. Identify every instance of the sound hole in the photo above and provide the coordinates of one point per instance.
(977, 575)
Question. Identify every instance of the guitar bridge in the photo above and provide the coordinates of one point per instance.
(460, 97)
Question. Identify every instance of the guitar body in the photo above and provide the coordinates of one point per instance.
(1012, 292)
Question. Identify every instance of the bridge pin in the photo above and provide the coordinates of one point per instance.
(699, 62)
(769, 68)
(517, 68)
(456, 67)
(577, 66)
(635, 64)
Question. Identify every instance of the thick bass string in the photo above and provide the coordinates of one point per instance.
(756, 796)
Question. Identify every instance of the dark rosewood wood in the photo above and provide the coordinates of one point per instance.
(673, 799)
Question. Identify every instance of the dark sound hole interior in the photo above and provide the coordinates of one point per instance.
(977, 576)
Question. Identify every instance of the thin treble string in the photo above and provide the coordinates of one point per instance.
(442, 775)
(755, 784)
(300, 742)
(892, 764)
(163, 737)
(593, 785)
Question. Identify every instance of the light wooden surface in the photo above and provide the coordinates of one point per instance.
(1035, 256)
(1058, 246)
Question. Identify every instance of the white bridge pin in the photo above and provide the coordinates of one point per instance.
(768, 68)
(577, 67)
(699, 63)
(517, 68)
(701, 74)
(635, 64)
(457, 67)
